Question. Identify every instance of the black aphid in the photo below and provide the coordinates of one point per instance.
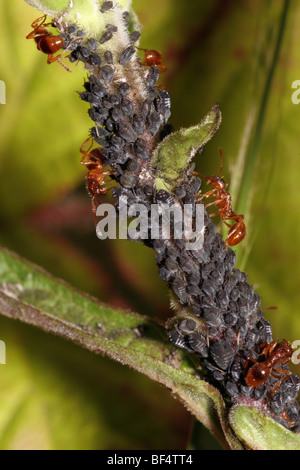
(106, 36)
(152, 77)
(108, 57)
(126, 55)
(106, 6)
(124, 88)
(107, 73)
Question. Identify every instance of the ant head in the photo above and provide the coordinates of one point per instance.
(216, 181)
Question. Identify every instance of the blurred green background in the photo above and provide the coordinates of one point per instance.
(54, 395)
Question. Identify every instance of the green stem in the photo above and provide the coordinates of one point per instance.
(201, 438)
(60, 6)
(84, 12)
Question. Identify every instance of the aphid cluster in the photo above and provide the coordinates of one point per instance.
(219, 317)
(225, 327)
(127, 127)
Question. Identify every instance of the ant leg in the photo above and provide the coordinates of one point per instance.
(61, 56)
(221, 202)
(52, 59)
(248, 360)
(94, 209)
(208, 194)
(221, 161)
(88, 162)
(210, 204)
(284, 361)
(64, 66)
(268, 347)
(283, 371)
(85, 153)
(39, 21)
(108, 173)
(161, 68)
(270, 308)
(58, 58)
(237, 218)
(196, 173)
(34, 34)
(280, 380)
(227, 224)
(36, 25)
(85, 142)
(286, 417)
(214, 214)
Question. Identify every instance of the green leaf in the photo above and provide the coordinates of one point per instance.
(172, 156)
(80, 7)
(41, 172)
(33, 296)
(259, 432)
(50, 7)
(29, 294)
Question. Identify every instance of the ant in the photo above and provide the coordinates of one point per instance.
(46, 42)
(93, 160)
(237, 231)
(274, 353)
(152, 58)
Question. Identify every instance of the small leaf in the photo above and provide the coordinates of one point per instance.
(29, 294)
(259, 432)
(50, 7)
(174, 153)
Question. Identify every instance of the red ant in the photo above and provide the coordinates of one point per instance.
(93, 160)
(152, 58)
(237, 231)
(274, 353)
(45, 41)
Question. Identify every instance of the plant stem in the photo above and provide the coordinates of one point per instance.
(243, 200)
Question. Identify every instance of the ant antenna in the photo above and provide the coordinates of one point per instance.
(221, 161)
(58, 58)
(196, 173)
(63, 65)
(85, 152)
